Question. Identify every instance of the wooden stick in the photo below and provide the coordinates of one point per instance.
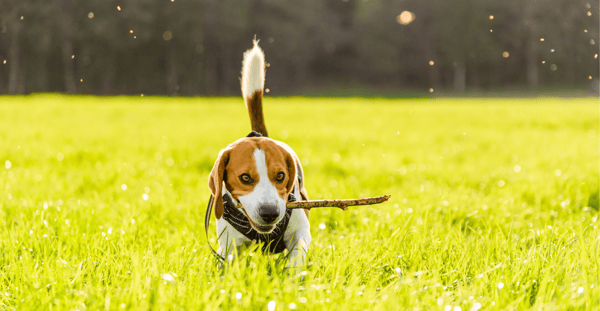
(342, 204)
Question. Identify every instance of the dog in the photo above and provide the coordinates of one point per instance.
(262, 175)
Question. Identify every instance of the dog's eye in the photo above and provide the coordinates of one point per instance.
(245, 179)
(280, 177)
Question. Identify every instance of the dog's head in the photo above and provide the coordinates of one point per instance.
(260, 174)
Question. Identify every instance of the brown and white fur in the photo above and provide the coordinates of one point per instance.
(260, 173)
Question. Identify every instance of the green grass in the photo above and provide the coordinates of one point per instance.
(494, 202)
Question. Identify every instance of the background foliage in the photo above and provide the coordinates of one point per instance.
(194, 47)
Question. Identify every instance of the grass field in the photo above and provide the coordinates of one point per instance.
(494, 204)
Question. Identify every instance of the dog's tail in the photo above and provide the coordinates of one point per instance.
(253, 84)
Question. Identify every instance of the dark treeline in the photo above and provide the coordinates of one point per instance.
(194, 47)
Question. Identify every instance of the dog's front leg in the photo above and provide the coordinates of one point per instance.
(230, 240)
(299, 248)
(297, 238)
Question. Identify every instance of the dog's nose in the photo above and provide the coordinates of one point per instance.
(268, 212)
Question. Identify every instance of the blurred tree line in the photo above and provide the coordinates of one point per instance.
(194, 47)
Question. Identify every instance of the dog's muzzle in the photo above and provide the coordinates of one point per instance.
(269, 213)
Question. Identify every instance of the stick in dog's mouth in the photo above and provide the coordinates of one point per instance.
(342, 204)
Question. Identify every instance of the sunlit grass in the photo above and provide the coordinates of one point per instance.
(494, 204)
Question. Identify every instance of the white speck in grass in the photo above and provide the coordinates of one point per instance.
(501, 183)
(110, 230)
(7, 164)
(557, 173)
(222, 291)
(399, 272)
(45, 205)
(322, 226)
(132, 221)
(517, 168)
(292, 305)
(271, 305)
(302, 299)
(398, 133)
(476, 306)
(60, 156)
(145, 197)
(123, 306)
(457, 308)
(170, 162)
(440, 301)
(30, 231)
(447, 308)
(167, 277)
(238, 296)
(123, 187)
(580, 290)
(409, 210)
(500, 285)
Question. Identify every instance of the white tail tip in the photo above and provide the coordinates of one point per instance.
(253, 71)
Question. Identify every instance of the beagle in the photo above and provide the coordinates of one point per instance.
(262, 175)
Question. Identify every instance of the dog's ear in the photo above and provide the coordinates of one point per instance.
(292, 171)
(215, 180)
